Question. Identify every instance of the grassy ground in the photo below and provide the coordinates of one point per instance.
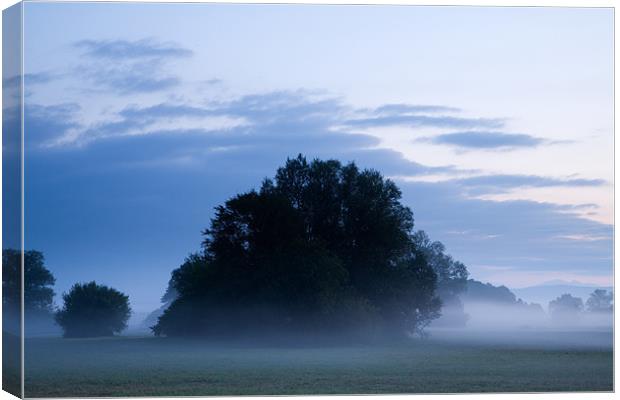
(11, 363)
(152, 366)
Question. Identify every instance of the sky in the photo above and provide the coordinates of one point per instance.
(496, 123)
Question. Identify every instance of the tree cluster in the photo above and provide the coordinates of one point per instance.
(323, 247)
(88, 309)
(567, 307)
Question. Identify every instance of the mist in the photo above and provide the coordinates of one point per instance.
(524, 325)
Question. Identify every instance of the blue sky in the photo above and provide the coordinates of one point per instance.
(497, 123)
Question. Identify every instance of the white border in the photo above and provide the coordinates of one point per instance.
(503, 3)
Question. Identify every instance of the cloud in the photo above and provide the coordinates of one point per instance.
(122, 50)
(273, 126)
(400, 108)
(298, 107)
(528, 232)
(12, 86)
(286, 123)
(500, 183)
(29, 79)
(414, 120)
(294, 106)
(43, 124)
(106, 184)
(270, 117)
(127, 67)
(584, 238)
(134, 79)
(164, 110)
(485, 140)
(214, 81)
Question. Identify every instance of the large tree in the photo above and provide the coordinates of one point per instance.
(322, 247)
(38, 282)
(91, 310)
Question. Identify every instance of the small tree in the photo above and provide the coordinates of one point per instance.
(93, 310)
(600, 301)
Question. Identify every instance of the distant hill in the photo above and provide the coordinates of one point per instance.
(543, 294)
(556, 282)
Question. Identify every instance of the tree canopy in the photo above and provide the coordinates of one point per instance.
(565, 307)
(38, 282)
(91, 310)
(487, 293)
(451, 279)
(321, 247)
(600, 301)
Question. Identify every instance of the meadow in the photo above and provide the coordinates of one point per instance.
(148, 366)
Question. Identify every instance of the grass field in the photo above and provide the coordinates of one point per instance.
(145, 366)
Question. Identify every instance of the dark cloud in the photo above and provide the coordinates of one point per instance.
(277, 125)
(268, 118)
(29, 79)
(135, 118)
(288, 122)
(12, 85)
(121, 50)
(485, 140)
(524, 235)
(45, 124)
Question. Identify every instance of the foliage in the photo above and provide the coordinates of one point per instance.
(38, 294)
(600, 301)
(488, 293)
(91, 310)
(451, 278)
(323, 247)
(565, 306)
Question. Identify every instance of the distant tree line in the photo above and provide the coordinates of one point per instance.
(566, 307)
(478, 292)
